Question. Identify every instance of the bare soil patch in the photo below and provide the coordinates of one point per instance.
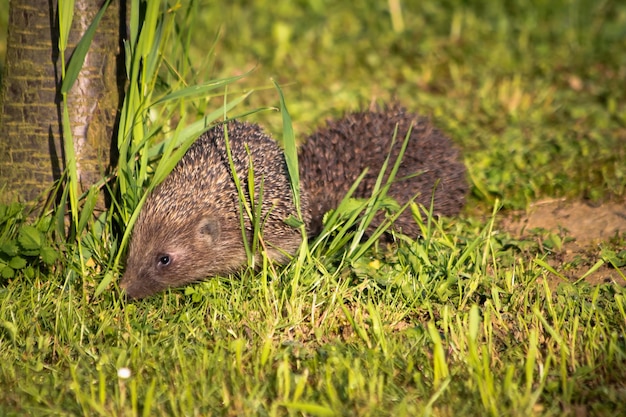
(581, 230)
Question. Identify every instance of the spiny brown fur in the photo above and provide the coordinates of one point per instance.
(193, 217)
(192, 220)
(334, 156)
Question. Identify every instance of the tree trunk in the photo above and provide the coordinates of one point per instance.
(31, 151)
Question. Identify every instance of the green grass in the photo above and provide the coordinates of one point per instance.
(465, 321)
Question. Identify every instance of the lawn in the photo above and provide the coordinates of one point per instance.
(477, 317)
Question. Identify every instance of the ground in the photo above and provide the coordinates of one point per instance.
(577, 233)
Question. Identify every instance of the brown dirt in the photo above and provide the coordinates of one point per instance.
(584, 229)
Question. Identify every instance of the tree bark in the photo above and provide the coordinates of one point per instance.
(30, 147)
(31, 151)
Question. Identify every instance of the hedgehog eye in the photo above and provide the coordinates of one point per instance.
(164, 260)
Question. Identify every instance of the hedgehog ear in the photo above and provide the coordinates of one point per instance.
(209, 228)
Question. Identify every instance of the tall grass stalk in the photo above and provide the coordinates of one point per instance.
(291, 158)
(69, 74)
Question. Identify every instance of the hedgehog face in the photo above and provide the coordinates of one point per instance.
(163, 256)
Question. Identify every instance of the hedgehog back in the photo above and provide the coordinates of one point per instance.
(334, 156)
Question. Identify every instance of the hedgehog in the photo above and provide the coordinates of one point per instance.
(190, 227)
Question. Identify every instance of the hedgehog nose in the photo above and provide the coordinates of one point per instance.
(129, 290)
(124, 282)
(127, 287)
